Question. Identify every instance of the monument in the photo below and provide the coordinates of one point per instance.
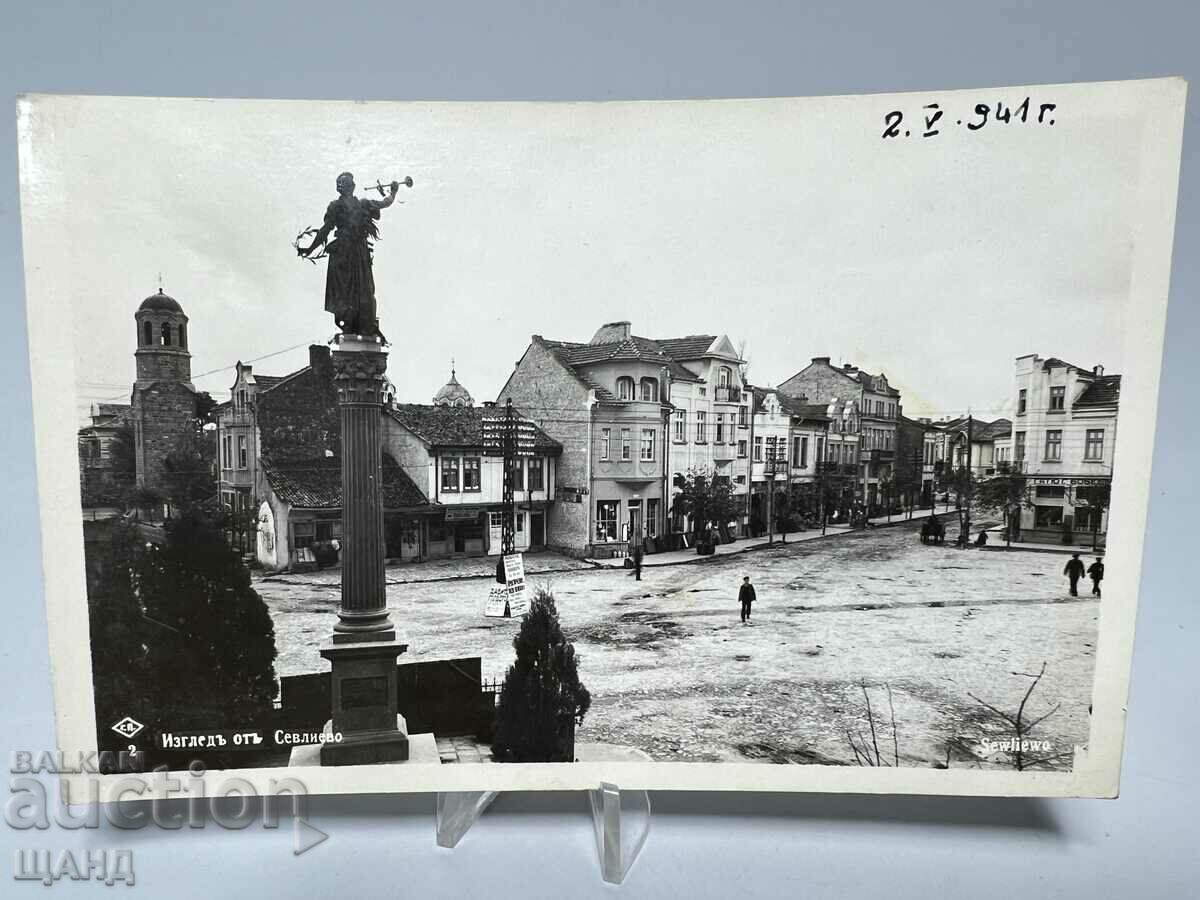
(366, 726)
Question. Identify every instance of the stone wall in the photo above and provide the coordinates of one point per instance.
(298, 418)
(161, 418)
(820, 382)
(549, 395)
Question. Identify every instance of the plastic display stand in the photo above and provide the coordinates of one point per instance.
(620, 831)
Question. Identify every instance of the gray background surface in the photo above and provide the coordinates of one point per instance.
(701, 845)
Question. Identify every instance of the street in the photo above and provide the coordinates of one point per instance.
(674, 672)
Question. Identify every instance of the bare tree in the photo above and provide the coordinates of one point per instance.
(1020, 728)
(869, 754)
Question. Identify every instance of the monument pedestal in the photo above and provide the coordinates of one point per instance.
(365, 710)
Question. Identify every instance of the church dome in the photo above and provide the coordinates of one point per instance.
(453, 394)
(160, 302)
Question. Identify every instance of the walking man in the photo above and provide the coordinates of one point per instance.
(637, 561)
(1074, 571)
(1096, 573)
(746, 597)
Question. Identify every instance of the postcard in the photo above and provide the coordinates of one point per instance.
(772, 444)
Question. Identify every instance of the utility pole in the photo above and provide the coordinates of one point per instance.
(508, 450)
(769, 471)
(967, 515)
(822, 472)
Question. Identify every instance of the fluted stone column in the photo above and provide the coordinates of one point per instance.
(360, 368)
(364, 648)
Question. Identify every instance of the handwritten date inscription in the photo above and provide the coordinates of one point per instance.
(932, 119)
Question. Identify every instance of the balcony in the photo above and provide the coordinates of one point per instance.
(729, 394)
(233, 418)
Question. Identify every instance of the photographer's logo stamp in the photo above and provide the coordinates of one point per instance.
(128, 727)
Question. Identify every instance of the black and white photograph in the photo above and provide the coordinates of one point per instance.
(789, 444)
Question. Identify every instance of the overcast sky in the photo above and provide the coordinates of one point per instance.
(787, 224)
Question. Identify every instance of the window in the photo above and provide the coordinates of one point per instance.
(166, 334)
(450, 474)
(626, 444)
(147, 333)
(1057, 398)
(652, 517)
(679, 425)
(470, 473)
(742, 413)
(741, 449)
(1050, 491)
(517, 472)
(649, 389)
(243, 455)
(537, 474)
(1019, 446)
(303, 534)
(1047, 516)
(1022, 401)
(724, 376)
(647, 444)
(1093, 448)
(801, 452)
(605, 437)
(242, 399)
(227, 452)
(606, 520)
(1054, 445)
(624, 388)
(703, 392)
(183, 335)
(758, 449)
(701, 426)
(720, 435)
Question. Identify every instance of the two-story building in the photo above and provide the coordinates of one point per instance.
(1064, 433)
(441, 448)
(878, 407)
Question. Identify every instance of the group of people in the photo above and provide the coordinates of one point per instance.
(1074, 570)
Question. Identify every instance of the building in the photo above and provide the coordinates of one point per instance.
(280, 471)
(990, 444)
(632, 414)
(917, 454)
(878, 407)
(440, 448)
(163, 400)
(787, 449)
(107, 470)
(1064, 434)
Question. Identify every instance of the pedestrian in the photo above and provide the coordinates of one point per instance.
(1096, 573)
(1074, 571)
(746, 597)
(982, 540)
(637, 561)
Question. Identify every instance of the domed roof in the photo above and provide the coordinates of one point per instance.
(453, 394)
(160, 302)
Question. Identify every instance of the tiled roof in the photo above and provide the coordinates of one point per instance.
(317, 484)
(865, 378)
(812, 411)
(693, 346)
(118, 410)
(574, 356)
(1055, 363)
(457, 426)
(1104, 391)
(980, 430)
(266, 382)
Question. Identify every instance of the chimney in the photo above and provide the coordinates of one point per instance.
(1098, 371)
(612, 333)
(821, 359)
(318, 360)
